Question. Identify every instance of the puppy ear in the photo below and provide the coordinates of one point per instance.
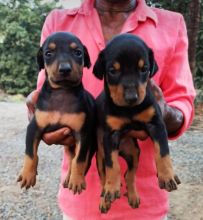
(153, 64)
(87, 62)
(40, 59)
(99, 66)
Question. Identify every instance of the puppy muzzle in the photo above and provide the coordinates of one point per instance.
(130, 95)
(65, 69)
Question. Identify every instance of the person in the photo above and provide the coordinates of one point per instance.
(95, 22)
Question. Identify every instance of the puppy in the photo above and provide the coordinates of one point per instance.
(127, 104)
(62, 102)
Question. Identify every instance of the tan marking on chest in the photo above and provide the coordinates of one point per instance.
(116, 123)
(146, 115)
(73, 120)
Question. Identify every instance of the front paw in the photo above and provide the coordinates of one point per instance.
(133, 199)
(166, 176)
(104, 206)
(111, 192)
(27, 178)
(168, 181)
(75, 183)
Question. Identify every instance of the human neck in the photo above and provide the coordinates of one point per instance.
(115, 5)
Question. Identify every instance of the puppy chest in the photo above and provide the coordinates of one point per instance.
(119, 122)
(73, 120)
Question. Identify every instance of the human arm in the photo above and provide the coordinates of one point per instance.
(176, 94)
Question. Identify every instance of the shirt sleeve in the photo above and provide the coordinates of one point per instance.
(177, 84)
(47, 29)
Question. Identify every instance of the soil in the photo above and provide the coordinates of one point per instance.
(40, 203)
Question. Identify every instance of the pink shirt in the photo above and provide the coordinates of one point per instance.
(165, 33)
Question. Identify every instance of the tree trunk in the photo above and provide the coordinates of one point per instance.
(193, 23)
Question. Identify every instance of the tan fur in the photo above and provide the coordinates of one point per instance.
(73, 120)
(141, 63)
(146, 115)
(116, 123)
(164, 165)
(113, 179)
(52, 71)
(117, 66)
(128, 147)
(73, 45)
(29, 171)
(141, 92)
(52, 46)
(117, 94)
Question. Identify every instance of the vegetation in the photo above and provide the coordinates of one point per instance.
(20, 26)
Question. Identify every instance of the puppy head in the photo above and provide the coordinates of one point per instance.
(63, 56)
(126, 64)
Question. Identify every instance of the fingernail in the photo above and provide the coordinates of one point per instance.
(66, 132)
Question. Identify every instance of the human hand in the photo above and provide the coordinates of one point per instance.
(31, 101)
(61, 136)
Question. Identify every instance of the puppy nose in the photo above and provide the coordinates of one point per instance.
(131, 98)
(64, 68)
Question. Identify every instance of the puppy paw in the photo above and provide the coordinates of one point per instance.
(166, 176)
(75, 183)
(27, 178)
(168, 182)
(111, 192)
(133, 199)
(104, 206)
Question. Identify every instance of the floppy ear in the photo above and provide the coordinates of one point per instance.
(87, 62)
(99, 66)
(153, 64)
(40, 59)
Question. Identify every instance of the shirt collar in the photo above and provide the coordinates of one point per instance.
(142, 11)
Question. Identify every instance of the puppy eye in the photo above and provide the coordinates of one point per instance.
(48, 53)
(112, 71)
(77, 52)
(145, 69)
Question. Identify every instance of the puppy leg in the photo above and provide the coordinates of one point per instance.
(100, 158)
(112, 166)
(167, 178)
(70, 153)
(28, 173)
(130, 151)
(79, 163)
(104, 206)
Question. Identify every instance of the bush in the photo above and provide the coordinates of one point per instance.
(20, 28)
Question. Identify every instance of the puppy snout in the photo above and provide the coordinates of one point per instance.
(65, 68)
(131, 98)
(130, 95)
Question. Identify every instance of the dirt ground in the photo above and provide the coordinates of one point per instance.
(40, 203)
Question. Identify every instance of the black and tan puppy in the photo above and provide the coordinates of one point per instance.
(62, 102)
(127, 104)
